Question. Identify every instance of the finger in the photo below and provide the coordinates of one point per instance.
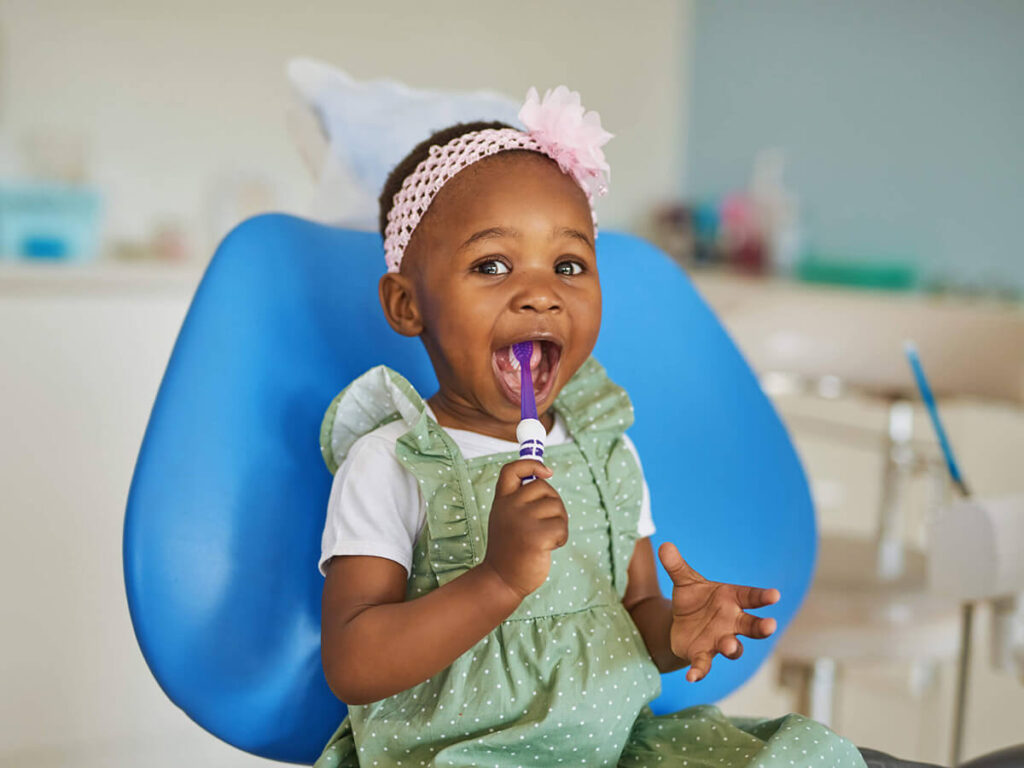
(534, 492)
(730, 647)
(549, 509)
(677, 568)
(700, 665)
(542, 509)
(757, 627)
(554, 532)
(755, 597)
(513, 474)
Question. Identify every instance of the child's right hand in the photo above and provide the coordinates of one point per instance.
(527, 522)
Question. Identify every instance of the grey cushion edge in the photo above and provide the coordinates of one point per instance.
(876, 759)
(1011, 757)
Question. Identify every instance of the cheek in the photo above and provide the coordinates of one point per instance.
(464, 326)
(589, 314)
(596, 310)
(472, 308)
(586, 324)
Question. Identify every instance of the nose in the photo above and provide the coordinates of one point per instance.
(537, 292)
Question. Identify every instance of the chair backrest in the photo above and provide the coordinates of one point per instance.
(227, 504)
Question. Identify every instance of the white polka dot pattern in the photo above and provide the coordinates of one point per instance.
(566, 679)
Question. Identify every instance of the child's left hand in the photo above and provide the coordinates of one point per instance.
(708, 615)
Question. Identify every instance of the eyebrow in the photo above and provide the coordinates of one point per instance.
(494, 233)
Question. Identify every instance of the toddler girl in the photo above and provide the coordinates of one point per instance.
(470, 619)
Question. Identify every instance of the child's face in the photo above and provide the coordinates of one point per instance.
(505, 254)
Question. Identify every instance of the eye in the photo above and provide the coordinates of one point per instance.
(492, 267)
(568, 267)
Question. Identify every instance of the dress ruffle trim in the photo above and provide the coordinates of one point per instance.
(376, 398)
(596, 412)
(591, 402)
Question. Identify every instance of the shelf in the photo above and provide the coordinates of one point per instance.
(100, 277)
(970, 347)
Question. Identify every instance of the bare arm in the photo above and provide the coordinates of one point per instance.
(373, 644)
(651, 611)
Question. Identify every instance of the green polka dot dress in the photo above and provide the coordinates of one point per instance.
(566, 679)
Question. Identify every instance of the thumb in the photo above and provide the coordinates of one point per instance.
(673, 563)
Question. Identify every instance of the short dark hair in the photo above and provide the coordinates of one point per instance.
(420, 153)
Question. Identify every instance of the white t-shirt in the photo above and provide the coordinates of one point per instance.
(376, 507)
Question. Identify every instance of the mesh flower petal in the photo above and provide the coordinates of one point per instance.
(571, 135)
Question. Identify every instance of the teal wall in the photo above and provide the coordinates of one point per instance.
(902, 122)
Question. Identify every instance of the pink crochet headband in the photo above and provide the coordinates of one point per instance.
(557, 127)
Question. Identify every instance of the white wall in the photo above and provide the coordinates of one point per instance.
(81, 364)
(175, 95)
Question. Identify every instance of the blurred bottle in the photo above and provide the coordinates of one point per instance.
(741, 239)
(671, 229)
(686, 232)
(777, 211)
(706, 224)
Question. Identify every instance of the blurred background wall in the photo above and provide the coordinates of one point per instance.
(899, 166)
(900, 123)
(174, 103)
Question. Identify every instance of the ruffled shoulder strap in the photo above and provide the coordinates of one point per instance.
(597, 412)
(591, 402)
(378, 397)
(381, 396)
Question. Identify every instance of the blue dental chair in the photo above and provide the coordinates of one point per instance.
(227, 504)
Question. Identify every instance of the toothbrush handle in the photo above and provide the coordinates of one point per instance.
(531, 433)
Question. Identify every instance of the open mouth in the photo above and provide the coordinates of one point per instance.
(543, 367)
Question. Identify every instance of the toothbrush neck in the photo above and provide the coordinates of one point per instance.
(456, 415)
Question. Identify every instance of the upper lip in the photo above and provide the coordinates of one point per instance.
(539, 335)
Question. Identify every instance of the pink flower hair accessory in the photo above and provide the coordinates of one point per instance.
(557, 126)
(569, 135)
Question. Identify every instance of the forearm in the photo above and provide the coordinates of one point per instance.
(653, 617)
(384, 649)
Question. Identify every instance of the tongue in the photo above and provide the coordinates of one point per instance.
(534, 357)
(509, 368)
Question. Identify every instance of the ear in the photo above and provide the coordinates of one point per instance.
(398, 298)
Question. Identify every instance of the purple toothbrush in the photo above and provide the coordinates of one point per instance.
(530, 432)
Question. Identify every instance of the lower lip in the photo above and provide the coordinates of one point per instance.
(540, 395)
